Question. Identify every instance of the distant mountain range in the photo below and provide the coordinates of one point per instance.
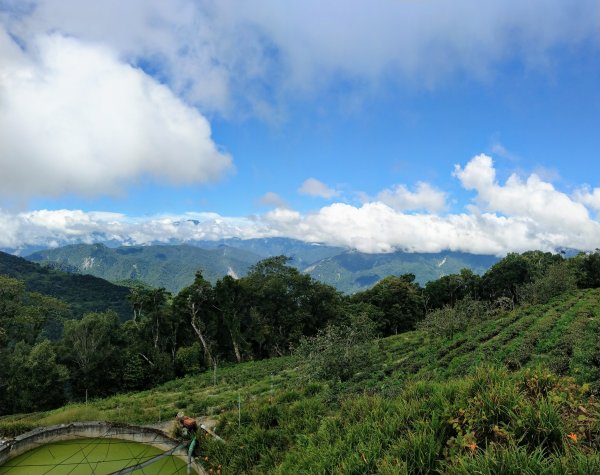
(174, 266)
(352, 271)
(170, 266)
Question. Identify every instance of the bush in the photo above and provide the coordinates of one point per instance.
(449, 320)
(187, 359)
(338, 352)
(557, 279)
(13, 429)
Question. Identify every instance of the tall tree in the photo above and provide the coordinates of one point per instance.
(196, 302)
(285, 305)
(230, 301)
(90, 346)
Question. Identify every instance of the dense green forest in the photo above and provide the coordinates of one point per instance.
(83, 293)
(501, 374)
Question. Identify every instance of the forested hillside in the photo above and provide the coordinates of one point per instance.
(83, 293)
(172, 267)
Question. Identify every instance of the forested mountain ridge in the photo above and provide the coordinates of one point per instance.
(83, 293)
(174, 266)
(169, 266)
(352, 271)
(301, 253)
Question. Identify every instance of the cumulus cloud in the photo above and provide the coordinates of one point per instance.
(518, 215)
(313, 187)
(532, 198)
(425, 197)
(74, 118)
(256, 52)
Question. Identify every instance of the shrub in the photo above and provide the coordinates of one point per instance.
(448, 321)
(188, 358)
(13, 429)
(338, 352)
(557, 279)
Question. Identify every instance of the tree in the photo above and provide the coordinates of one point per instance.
(449, 289)
(36, 381)
(284, 305)
(230, 301)
(12, 292)
(47, 378)
(196, 302)
(587, 269)
(400, 300)
(505, 277)
(90, 346)
(557, 279)
(188, 359)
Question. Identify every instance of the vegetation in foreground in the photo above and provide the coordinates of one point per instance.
(473, 397)
(470, 391)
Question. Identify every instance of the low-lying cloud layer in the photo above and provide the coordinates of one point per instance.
(76, 119)
(519, 215)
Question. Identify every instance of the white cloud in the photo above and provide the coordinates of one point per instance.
(271, 198)
(254, 53)
(73, 118)
(313, 187)
(425, 197)
(519, 215)
(588, 196)
(533, 198)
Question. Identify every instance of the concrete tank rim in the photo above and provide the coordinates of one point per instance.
(6, 446)
(88, 424)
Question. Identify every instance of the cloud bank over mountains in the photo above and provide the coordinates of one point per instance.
(518, 215)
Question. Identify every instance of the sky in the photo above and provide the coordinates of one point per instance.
(387, 125)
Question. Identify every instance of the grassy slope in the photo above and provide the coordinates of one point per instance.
(421, 407)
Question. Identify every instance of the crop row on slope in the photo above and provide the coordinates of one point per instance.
(473, 424)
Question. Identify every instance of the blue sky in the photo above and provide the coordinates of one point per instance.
(418, 125)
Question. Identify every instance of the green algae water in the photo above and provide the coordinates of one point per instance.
(91, 456)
